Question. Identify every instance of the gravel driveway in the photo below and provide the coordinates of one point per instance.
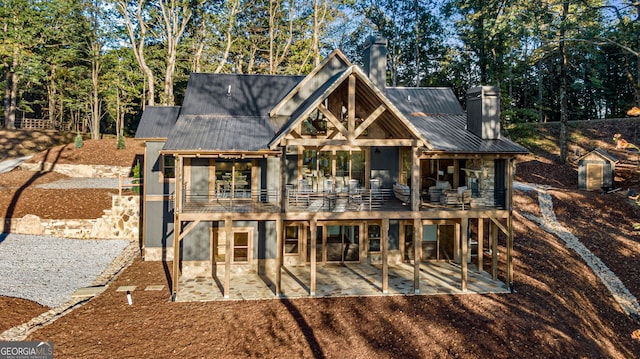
(48, 270)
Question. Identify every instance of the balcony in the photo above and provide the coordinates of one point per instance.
(362, 200)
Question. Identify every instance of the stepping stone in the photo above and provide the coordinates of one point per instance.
(126, 288)
(154, 287)
(88, 292)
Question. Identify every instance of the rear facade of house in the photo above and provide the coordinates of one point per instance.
(255, 173)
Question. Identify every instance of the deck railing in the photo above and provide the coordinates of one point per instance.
(255, 201)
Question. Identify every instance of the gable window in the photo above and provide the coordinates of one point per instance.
(314, 125)
(168, 166)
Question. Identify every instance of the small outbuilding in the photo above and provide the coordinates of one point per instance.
(596, 170)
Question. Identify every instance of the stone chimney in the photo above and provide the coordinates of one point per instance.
(375, 61)
(483, 112)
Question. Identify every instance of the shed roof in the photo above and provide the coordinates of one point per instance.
(220, 133)
(436, 113)
(157, 122)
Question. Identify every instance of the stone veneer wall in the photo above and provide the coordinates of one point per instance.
(119, 222)
(99, 171)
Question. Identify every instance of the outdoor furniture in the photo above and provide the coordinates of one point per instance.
(402, 192)
(456, 197)
(355, 195)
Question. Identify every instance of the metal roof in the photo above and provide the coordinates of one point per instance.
(427, 100)
(157, 121)
(220, 133)
(448, 133)
(235, 94)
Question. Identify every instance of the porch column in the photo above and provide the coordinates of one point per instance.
(465, 246)
(417, 255)
(456, 244)
(510, 165)
(493, 237)
(279, 254)
(415, 179)
(228, 235)
(480, 244)
(384, 241)
(314, 236)
(177, 204)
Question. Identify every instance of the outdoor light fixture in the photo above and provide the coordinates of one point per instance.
(129, 298)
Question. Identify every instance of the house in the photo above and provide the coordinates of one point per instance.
(259, 173)
(596, 170)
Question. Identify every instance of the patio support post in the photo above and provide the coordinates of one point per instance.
(510, 227)
(493, 237)
(465, 247)
(384, 239)
(417, 255)
(177, 227)
(415, 179)
(480, 244)
(314, 237)
(228, 233)
(279, 254)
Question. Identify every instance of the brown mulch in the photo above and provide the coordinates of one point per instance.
(559, 307)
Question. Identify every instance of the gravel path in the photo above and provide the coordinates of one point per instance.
(627, 301)
(48, 270)
(89, 182)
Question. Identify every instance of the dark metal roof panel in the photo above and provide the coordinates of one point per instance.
(426, 100)
(157, 121)
(448, 133)
(220, 133)
(235, 94)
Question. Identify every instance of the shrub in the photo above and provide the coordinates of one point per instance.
(78, 141)
(137, 174)
(121, 144)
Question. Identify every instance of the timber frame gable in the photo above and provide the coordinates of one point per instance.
(349, 110)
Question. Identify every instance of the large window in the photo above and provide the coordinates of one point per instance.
(233, 178)
(341, 166)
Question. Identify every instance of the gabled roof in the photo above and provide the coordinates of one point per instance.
(331, 66)
(326, 89)
(157, 122)
(601, 153)
(235, 94)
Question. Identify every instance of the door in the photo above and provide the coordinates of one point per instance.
(595, 176)
(336, 244)
(241, 245)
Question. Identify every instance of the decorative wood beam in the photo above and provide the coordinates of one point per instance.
(500, 225)
(187, 229)
(372, 117)
(318, 142)
(334, 120)
(351, 107)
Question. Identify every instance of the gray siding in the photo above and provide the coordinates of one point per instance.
(384, 165)
(159, 225)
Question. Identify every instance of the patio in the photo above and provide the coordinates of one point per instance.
(336, 280)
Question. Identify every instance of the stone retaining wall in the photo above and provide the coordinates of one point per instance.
(122, 221)
(99, 171)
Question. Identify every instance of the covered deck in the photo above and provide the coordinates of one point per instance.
(341, 280)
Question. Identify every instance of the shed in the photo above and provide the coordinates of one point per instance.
(596, 170)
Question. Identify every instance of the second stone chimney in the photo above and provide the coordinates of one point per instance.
(375, 61)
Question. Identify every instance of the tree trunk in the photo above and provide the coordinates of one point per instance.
(564, 105)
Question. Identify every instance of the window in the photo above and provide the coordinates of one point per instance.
(168, 166)
(291, 240)
(374, 238)
(241, 246)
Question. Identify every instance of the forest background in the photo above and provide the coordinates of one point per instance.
(93, 65)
